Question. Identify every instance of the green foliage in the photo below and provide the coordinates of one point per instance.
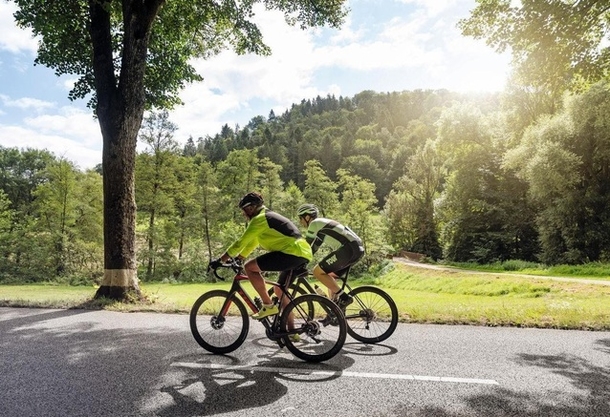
(58, 234)
(289, 202)
(593, 269)
(358, 203)
(410, 206)
(477, 210)
(319, 189)
(555, 45)
(463, 181)
(564, 159)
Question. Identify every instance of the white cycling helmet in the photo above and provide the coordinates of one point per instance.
(307, 209)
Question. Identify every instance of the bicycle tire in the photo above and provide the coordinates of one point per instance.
(216, 334)
(373, 316)
(318, 342)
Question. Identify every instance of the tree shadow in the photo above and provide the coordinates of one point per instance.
(12, 317)
(604, 345)
(591, 380)
(105, 365)
(54, 365)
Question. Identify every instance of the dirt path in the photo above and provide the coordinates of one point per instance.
(448, 268)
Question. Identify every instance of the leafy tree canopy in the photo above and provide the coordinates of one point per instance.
(555, 44)
(183, 30)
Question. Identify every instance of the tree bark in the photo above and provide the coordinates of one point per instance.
(120, 109)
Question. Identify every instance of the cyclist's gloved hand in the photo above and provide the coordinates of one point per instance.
(214, 264)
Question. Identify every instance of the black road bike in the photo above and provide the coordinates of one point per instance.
(371, 318)
(220, 323)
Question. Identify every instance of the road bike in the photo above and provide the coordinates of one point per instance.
(219, 320)
(371, 318)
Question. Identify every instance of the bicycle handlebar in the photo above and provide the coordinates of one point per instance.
(234, 264)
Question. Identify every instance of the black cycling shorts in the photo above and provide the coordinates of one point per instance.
(281, 262)
(339, 260)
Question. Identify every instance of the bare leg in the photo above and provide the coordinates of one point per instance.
(328, 280)
(257, 280)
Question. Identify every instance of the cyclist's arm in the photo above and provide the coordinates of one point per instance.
(312, 236)
(314, 242)
(249, 240)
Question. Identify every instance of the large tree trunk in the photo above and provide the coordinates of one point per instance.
(120, 109)
(120, 269)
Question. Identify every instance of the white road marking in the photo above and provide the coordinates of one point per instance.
(314, 372)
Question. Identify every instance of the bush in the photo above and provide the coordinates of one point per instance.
(517, 265)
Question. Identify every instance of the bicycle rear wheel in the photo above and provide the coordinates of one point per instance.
(319, 341)
(215, 330)
(373, 315)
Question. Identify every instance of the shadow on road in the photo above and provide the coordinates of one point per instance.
(604, 345)
(593, 381)
(116, 364)
(15, 317)
(211, 391)
(56, 364)
(362, 349)
(208, 392)
(99, 364)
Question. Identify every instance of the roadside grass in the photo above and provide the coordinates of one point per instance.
(455, 297)
(422, 296)
(597, 270)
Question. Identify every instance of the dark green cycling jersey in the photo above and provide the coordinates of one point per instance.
(272, 232)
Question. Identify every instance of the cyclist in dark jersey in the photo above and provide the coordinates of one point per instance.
(346, 248)
(287, 249)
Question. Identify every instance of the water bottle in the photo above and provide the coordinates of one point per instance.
(258, 302)
(319, 290)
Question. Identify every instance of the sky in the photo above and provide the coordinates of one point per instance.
(384, 46)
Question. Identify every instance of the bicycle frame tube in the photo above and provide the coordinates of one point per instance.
(302, 282)
(270, 323)
(236, 288)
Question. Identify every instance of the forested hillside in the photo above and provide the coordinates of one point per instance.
(460, 177)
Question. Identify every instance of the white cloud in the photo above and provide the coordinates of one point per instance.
(27, 103)
(14, 39)
(61, 146)
(69, 122)
(433, 8)
(232, 81)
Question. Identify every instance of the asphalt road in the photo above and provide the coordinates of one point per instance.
(98, 363)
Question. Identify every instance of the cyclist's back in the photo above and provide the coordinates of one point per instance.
(331, 233)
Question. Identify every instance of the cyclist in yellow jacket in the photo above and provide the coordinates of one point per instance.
(287, 249)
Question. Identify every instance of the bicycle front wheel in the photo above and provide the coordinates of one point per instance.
(219, 322)
(322, 336)
(372, 317)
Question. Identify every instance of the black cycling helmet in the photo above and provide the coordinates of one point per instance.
(307, 209)
(250, 199)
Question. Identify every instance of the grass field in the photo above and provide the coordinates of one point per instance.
(422, 296)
